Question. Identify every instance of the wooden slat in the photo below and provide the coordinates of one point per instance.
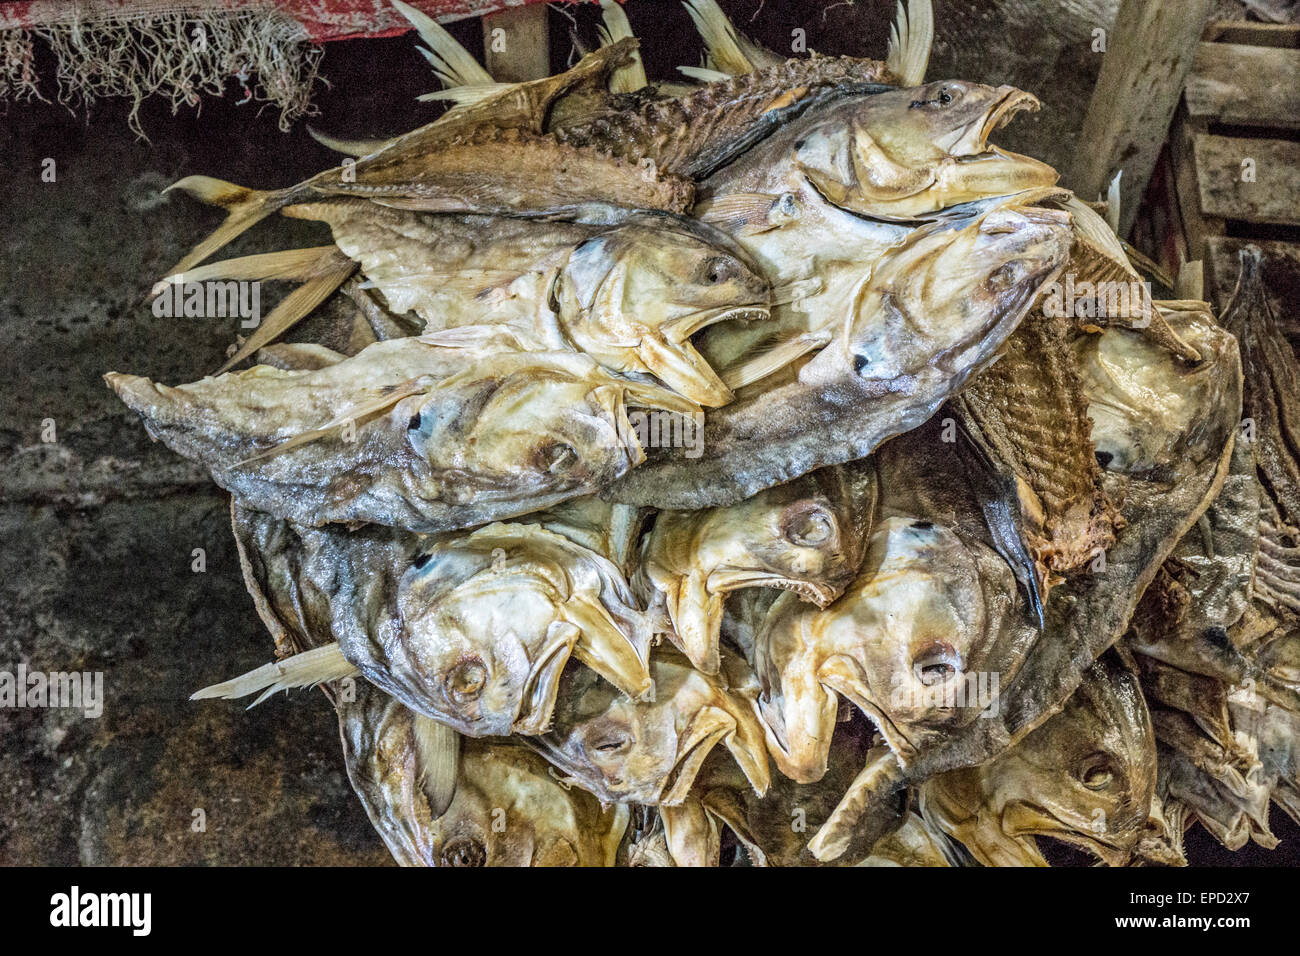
(1281, 276)
(522, 50)
(1254, 34)
(1150, 51)
(1197, 227)
(1274, 196)
(1245, 85)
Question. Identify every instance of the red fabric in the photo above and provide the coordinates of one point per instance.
(322, 19)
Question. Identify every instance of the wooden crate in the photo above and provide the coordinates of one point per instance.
(1233, 157)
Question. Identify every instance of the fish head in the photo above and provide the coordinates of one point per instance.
(510, 810)
(520, 426)
(910, 152)
(651, 751)
(1085, 777)
(481, 640)
(920, 641)
(487, 624)
(798, 711)
(647, 285)
(804, 536)
(935, 301)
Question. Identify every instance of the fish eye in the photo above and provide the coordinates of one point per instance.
(464, 851)
(945, 97)
(611, 744)
(467, 680)
(860, 362)
(1096, 772)
(807, 526)
(718, 269)
(555, 457)
(935, 664)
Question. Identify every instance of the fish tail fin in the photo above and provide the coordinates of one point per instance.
(450, 61)
(244, 207)
(307, 669)
(322, 275)
(629, 77)
(721, 41)
(910, 39)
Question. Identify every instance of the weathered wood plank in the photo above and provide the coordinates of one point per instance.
(1253, 34)
(517, 44)
(1196, 225)
(1150, 50)
(1228, 189)
(1245, 85)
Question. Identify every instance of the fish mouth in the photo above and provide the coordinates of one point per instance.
(1030, 825)
(1013, 101)
(707, 730)
(537, 700)
(724, 580)
(671, 357)
(683, 327)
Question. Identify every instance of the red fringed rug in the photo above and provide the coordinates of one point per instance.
(181, 49)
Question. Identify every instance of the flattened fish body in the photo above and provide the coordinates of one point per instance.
(399, 438)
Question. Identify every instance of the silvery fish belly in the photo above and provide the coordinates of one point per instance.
(931, 314)
(405, 434)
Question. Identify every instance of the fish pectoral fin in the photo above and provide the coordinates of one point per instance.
(740, 213)
(438, 759)
(757, 367)
(693, 835)
(697, 620)
(606, 649)
(348, 147)
(679, 366)
(864, 812)
(320, 664)
(353, 414)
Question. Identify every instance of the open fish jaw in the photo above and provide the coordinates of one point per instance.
(649, 752)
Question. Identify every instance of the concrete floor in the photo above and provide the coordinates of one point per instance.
(99, 526)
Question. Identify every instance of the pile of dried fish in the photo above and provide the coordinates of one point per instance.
(715, 476)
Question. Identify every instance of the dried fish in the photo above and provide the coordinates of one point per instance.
(473, 631)
(629, 294)
(405, 434)
(1085, 777)
(650, 752)
(505, 808)
(929, 316)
